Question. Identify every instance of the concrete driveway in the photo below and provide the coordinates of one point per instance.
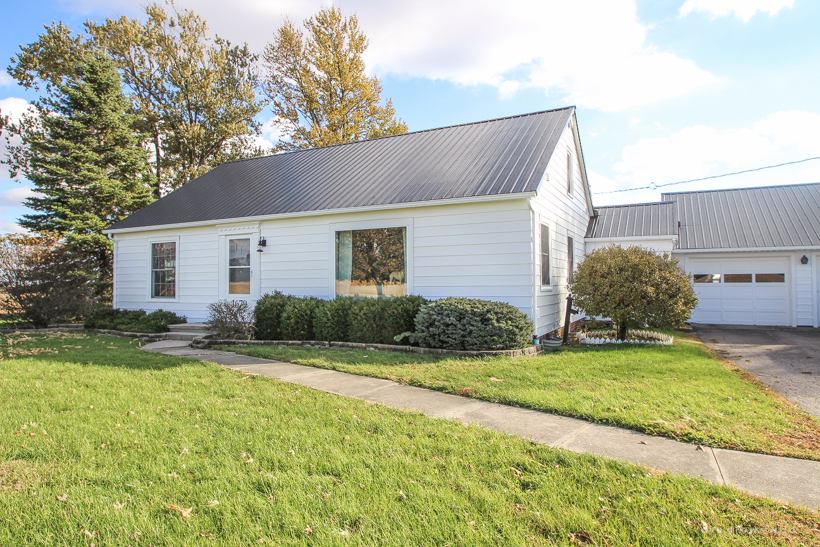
(785, 359)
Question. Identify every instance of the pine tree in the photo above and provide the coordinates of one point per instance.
(88, 166)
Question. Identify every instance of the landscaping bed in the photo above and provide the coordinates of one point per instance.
(101, 443)
(682, 391)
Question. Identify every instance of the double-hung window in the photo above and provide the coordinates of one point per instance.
(570, 258)
(239, 266)
(164, 270)
(545, 256)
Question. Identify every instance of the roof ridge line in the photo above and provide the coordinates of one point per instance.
(571, 107)
(742, 188)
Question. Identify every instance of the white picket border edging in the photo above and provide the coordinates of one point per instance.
(609, 337)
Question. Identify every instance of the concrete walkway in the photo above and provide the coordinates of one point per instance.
(786, 479)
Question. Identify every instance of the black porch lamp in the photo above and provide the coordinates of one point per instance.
(262, 243)
(804, 260)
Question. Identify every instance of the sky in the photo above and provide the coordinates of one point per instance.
(665, 90)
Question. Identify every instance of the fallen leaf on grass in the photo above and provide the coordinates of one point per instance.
(64, 497)
(186, 513)
(213, 503)
(89, 534)
(496, 379)
(517, 473)
(308, 530)
(119, 505)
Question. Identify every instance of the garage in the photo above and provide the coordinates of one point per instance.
(741, 291)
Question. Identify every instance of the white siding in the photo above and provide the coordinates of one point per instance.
(566, 215)
(804, 293)
(480, 250)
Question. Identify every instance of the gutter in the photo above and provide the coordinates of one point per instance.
(323, 212)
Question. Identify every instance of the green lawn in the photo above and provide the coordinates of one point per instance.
(681, 391)
(101, 443)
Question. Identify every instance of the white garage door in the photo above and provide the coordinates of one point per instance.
(741, 291)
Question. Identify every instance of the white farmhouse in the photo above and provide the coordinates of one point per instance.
(499, 210)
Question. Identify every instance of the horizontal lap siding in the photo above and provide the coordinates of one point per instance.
(196, 271)
(804, 292)
(566, 215)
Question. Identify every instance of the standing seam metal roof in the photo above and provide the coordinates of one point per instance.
(745, 218)
(495, 157)
(642, 219)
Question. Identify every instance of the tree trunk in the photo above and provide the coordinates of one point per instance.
(622, 331)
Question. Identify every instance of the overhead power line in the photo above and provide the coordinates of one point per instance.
(653, 186)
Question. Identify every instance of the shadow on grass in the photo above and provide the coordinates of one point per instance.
(85, 349)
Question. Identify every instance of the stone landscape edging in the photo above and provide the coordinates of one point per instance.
(206, 343)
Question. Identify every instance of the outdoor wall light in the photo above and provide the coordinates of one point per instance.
(262, 243)
(804, 260)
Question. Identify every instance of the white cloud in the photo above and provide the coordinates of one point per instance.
(15, 196)
(11, 228)
(5, 79)
(742, 9)
(271, 134)
(701, 151)
(594, 53)
(13, 107)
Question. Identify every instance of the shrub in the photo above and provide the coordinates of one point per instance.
(298, 318)
(401, 315)
(368, 322)
(133, 320)
(232, 319)
(268, 312)
(43, 281)
(633, 286)
(332, 320)
(474, 325)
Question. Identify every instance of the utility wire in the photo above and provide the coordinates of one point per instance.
(653, 186)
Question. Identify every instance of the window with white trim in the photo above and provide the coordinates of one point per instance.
(164, 270)
(570, 258)
(239, 266)
(545, 256)
(372, 262)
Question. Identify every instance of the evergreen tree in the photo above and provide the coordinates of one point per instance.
(317, 86)
(88, 167)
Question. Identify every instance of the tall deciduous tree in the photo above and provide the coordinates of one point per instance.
(88, 166)
(317, 86)
(194, 96)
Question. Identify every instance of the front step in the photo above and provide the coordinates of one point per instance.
(187, 331)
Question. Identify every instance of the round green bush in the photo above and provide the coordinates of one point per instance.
(472, 325)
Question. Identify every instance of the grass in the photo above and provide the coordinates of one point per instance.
(101, 443)
(682, 391)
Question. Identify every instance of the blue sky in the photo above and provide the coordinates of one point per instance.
(666, 90)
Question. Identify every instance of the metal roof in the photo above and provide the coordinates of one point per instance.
(769, 216)
(641, 219)
(495, 157)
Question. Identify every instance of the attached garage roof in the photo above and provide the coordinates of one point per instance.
(746, 218)
(642, 219)
(496, 157)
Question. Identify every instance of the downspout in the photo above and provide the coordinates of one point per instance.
(534, 300)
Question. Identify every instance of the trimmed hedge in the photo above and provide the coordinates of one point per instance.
(268, 312)
(297, 318)
(451, 323)
(472, 325)
(332, 320)
(133, 320)
(344, 319)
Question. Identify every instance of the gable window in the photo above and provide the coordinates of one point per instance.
(545, 256)
(371, 263)
(164, 270)
(570, 172)
(570, 258)
(239, 266)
